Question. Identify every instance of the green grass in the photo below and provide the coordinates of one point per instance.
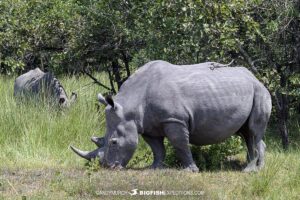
(36, 162)
(32, 135)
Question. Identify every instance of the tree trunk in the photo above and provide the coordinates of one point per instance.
(111, 80)
(282, 105)
(116, 70)
(282, 116)
(126, 62)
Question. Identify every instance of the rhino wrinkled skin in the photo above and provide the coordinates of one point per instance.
(36, 84)
(187, 104)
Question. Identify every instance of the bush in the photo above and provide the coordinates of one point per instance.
(209, 157)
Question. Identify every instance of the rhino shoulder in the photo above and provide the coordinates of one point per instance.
(153, 65)
(146, 72)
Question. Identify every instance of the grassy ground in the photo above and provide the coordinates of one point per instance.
(36, 162)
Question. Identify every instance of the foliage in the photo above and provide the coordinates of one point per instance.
(62, 36)
(195, 31)
(210, 157)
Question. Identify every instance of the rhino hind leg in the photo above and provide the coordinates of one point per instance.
(261, 153)
(157, 146)
(256, 158)
(254, 132)
(252, 155)
(178, 136)
(255, 149)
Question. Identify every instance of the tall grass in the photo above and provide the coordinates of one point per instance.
(35, 159)
(35, 134)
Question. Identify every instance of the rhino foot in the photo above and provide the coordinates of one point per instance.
(252, 166)
(250, 169)
(191, 168)
(159, 165)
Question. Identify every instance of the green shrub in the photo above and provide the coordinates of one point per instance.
(143, 156)
(209, 157)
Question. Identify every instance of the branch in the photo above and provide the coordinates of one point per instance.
(258, 60)
(278, 105)
(95, 80)
(248, 58)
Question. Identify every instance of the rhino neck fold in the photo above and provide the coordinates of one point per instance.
(132, 96)
(133, 109)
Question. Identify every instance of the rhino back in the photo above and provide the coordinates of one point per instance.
(35, 82)
(24, 82)
(212, 104)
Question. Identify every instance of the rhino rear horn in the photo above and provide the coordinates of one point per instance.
(89, 155)
(98, 141)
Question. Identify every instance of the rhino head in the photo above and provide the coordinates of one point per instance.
(120, 141)
(61, 94)
(63, 99)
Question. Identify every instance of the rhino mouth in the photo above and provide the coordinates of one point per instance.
(115, 166)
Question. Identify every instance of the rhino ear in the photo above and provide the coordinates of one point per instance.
(110, 101)
(115, 107)
(73, 97)
(101, 99)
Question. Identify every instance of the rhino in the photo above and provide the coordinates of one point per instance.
(36, 84)
(187, 104)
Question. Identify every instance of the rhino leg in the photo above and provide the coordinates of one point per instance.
(255, 131)
(178, 136)
(261, 153)
(255, 156)
(252, 151)
(250, 148)
(158, 149)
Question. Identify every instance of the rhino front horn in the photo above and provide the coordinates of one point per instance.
(89, 155)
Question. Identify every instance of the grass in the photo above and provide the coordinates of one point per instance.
(36, 162)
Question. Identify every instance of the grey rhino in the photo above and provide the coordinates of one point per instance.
(194, 104)
(37, 84)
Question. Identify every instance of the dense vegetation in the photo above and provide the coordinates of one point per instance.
(117, 36)
(108, 40)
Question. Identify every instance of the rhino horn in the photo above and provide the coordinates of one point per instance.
(89, 155)
(98, 141)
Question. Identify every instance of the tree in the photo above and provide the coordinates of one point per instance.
(117, 36)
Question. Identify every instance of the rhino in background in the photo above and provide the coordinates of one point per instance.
(190, 104)
(37, 84)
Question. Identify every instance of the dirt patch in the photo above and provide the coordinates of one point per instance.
(31, 182)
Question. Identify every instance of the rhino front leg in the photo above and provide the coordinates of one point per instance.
(178, 136)
(158, 149)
